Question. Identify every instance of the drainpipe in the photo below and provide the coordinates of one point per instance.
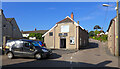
(54, 38)
(76, 37)
(114, 37)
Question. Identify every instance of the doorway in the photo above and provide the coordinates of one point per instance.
(63, 43)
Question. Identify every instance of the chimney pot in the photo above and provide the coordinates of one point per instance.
(1, 10)
(35, 29)
(21, 30)
(78, 22)
(72, 16)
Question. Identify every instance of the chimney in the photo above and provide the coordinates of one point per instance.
(35, 29)
(78, 22)
(87, 30)
(72, 16)
(1, 10)
(22, 31)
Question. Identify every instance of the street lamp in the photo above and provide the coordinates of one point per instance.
(116, 29)
(106, 5)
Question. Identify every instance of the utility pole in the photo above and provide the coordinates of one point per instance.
(117, 31)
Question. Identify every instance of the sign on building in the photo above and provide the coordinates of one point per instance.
(64, 28)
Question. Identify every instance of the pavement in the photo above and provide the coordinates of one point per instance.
(94, 55)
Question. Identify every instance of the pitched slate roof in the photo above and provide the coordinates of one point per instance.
(37, 31)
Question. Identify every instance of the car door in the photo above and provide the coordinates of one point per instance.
(27, 49)
(17, 49)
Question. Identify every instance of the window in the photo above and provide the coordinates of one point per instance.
(4, 25)
(51, 34)
(28, 45)
(17, 45)
(84, 42)
(65, 28)
(65, 34)
(35, 44)
(80, 41)
(72, 40)
(60, 34)
(14, 28)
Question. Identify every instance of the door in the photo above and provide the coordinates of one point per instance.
(28, 49)
(63, 43)
(17, 49)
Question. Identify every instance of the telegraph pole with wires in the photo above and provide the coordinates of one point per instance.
(117, 31)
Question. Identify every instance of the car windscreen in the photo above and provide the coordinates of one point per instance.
(35, 43)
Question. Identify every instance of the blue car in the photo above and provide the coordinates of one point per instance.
(41, 43)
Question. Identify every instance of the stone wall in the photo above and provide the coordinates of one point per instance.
(111, 37)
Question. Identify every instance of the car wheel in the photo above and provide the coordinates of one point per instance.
(10, 55)
(38, 56)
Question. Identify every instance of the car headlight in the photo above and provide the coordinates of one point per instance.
(7, 47)
(44, 50)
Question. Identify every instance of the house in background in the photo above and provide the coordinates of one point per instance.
(112, 36)
(8, 29)
(101, 32)
(66, 34)
(26, 34)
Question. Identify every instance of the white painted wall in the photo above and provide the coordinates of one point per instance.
(32, 38)
(25, 35)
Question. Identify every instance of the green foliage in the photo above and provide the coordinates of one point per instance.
(32, 34)
(91, 33)
(101, 38)
(96, 32)
(37, 35)
(104, 37)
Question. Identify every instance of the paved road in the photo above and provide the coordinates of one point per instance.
(93, 55)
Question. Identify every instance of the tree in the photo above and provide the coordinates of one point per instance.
(96, 32)
(91, 33)
(97, 27)
(32, 35)
(37, 35)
